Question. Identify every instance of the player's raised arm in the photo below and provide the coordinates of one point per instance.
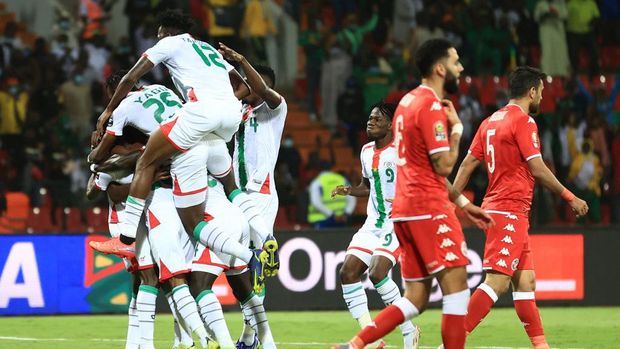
(240, 86)
(544, 176)
(254, 79)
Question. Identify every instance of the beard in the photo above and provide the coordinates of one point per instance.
(534, 108)
(451, 84)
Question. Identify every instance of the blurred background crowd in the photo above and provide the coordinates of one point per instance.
(333, 60)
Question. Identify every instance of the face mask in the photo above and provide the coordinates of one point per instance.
(288, 143)
(78, 79)
(64, 25)
(123, 50)
(13, 90)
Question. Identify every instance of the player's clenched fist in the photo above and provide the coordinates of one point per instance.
(343, 190)
(448, 107)
(579, 206)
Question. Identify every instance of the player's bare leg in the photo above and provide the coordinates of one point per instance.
(524, 286)
(210, 309)
(253, 309)
(186, 308)
(390, 293)
(145, 304)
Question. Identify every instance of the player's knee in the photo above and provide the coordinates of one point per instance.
(420, 303)
(376, 275)
(348, 276)
(149, 277)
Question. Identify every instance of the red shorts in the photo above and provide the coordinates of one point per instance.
(507, 247)
(430, 244)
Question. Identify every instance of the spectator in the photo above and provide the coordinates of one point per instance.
(98, 55)
(585, 176)
(580, 32)
(615, 154)
(76, 97)
(596, 133)
(351, 112)
(13, 107)
(312, 42)
(551, 14)
(335, 71)
(404, 20)
(224, 19)
(352, 34)
(257, 24)
(323, 210)
(427, 28)
(470, 112)
(65, 54)
(9, 42)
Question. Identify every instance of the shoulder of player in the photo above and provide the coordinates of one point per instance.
(368, 146)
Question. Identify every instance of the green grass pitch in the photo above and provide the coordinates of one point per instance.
(565, 328)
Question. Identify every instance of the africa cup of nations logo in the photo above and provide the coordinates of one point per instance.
(109, 282)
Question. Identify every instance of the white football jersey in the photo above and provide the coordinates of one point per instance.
(144, 109)
(379, 167)
(198, 70)
(257, 145)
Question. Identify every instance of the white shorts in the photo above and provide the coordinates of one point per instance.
(219, 162)
(197, 119)
(189, 176)
(367, 243)
(143, 247)
(171, 246)
(229, 218)
(268, 206)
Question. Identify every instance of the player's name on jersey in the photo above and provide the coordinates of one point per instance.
(151, 92)
(191, 40)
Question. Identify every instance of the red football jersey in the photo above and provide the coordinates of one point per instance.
(420, 129)
(506, 141)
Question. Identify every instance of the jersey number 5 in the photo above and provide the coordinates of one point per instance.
(212, 58)
(490, 151)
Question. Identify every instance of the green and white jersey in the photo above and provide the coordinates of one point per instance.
(198, 70)
(379, 167)
(144, 109)
(257, 144)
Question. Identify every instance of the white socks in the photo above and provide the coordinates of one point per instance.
(212, 236)
(145, 304)
(181, 332)
(133, 327)
(188, 310)
(456, 303)
(251, 213)
(259, 320)
(355, 297)
(133, 211)
(213, 317)
(390, 293)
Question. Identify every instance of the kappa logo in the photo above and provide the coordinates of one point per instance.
(512, 216)
(504, 251)
(451, 257)
(507, 239)
(502, 263)
(514, 264)
(443, 228)
(531, 120)
(436, 106)
(510, 227)
(535, 140)
(446, 243)
(440, 216)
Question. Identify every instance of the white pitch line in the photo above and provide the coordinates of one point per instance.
(32, 339)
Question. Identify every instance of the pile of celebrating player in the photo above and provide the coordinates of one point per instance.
(182, 210)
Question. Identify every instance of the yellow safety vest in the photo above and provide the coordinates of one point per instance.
(328, 181)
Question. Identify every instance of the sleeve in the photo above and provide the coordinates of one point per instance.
(228, 66)
(117, 121)
(434, 129)
(365, 174)
(102, 180)
(161, 51)
(526, 135)
(476, 149)
(351, 203)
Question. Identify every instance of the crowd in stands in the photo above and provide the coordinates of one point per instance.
(351, 55)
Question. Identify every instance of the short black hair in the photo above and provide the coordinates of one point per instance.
(175, 19)
(522, 79)
(113, 80)
(385, 108)
(430, 53)
(266, 70)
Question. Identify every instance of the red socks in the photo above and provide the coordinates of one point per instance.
(387, 320)
(479, 306)
(525, 306)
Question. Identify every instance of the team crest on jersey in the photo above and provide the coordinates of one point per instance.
(535, 140)
(110, 121)
(514, 264)
(440, 131)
